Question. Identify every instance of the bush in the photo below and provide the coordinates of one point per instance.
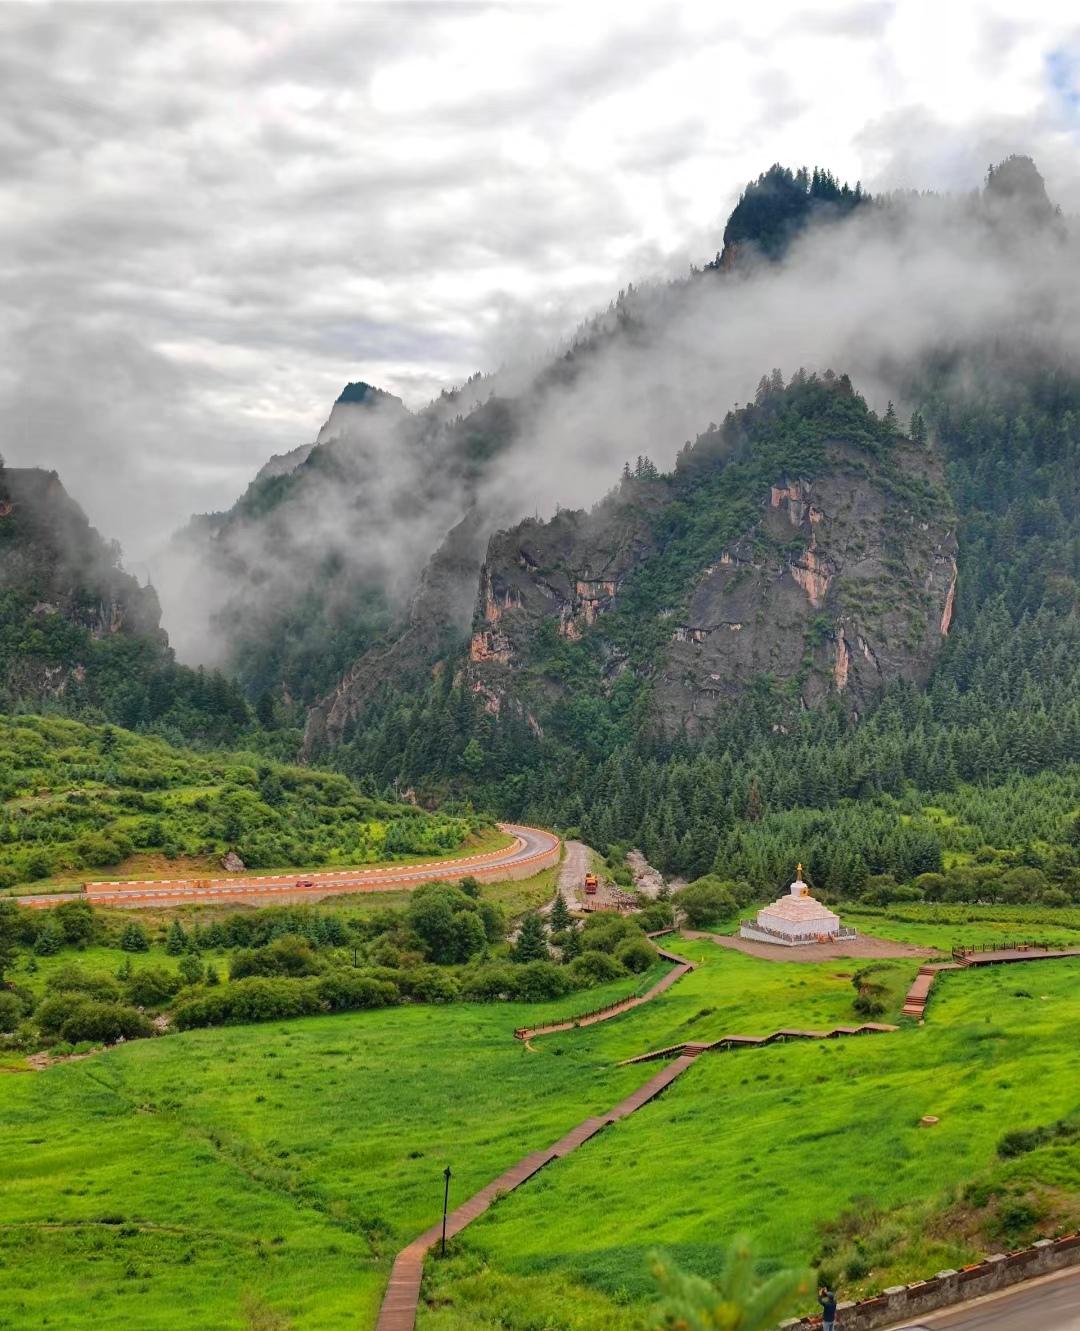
(104, 1022)
(1021, 1140)
(252, 999)
(428, 984)
(49, 940)
(636, 954)
(593, 968)
(69, 979)
(288, 955)
(51, 1013)
(191, 968)
(657, 916)
(346, 993)
(153, 986)
(11, 1011)
(76, 921)
(538, 980)
(490, 982)
(704, 902)
(604, 933)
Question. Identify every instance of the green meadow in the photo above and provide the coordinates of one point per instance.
(263, 1177)
(815, 1150)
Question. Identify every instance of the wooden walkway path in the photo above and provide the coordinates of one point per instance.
(681, 967)
(726, 1042)
(398, 1312)
(919, 994)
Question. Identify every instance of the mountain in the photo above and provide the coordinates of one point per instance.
(805, 541)
(327, 548)
(79, 635)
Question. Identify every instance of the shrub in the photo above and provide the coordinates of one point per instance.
(537, 980)
(428, 984)
(51, 1013)
(704, 902)
(76, 921)
(153, 986)
(490, 982)
(604, 933)
(288, 955)
(636, 955)
(252, 999)
(73, 979)
(343, 993)
(104, 1022)
(49, 940)
(657, 916)
(1021, 1140)
(11, 1011)
(594, 968)
(191, 968)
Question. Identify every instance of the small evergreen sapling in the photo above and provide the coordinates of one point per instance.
(560, 915)
(531, 943)
(134, 939)
(176, 940)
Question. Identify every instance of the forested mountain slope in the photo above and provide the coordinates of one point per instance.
(79, 635)
(1003, 697)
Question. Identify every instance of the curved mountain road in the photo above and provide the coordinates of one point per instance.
(531, 850)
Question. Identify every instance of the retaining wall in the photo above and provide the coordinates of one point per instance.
(907, 1303)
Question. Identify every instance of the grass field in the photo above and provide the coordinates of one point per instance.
(778, 1142)
(943, 925)
(263, 1177)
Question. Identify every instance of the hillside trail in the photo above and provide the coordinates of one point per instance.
(572, 873)
(569, 883)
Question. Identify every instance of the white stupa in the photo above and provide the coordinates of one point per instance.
(795, 919)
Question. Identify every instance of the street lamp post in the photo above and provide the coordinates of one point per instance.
(445, 1204)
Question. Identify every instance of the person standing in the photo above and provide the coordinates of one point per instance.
(827, 1299)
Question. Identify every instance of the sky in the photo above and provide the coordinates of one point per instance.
(213, 216)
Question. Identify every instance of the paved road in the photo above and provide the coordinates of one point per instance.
(1049, 1304)
(531, 847)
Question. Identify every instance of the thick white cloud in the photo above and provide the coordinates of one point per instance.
(211, 217)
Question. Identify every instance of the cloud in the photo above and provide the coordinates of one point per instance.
(213, 216)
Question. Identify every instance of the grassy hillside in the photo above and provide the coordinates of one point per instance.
(264, 1176)
(76, 800)
(816, 1150)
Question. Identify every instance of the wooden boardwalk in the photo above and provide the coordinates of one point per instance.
(725, 1042)
(681, 967)
(964, 959)
(398, 1311)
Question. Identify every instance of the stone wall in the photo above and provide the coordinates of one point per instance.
(907, 1303)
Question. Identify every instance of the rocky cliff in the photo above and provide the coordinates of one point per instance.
(824, 577)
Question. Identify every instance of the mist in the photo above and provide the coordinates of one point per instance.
(871, 296)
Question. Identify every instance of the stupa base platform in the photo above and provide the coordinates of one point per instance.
(756, 934)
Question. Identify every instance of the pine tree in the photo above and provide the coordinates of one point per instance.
(134, 939)
(49, 940)
(176, 940)
(560, 914)
(531, 943)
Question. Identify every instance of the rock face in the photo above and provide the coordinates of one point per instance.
(568, 571)
(838, 583)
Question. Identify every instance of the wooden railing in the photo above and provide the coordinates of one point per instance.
(962, 950)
